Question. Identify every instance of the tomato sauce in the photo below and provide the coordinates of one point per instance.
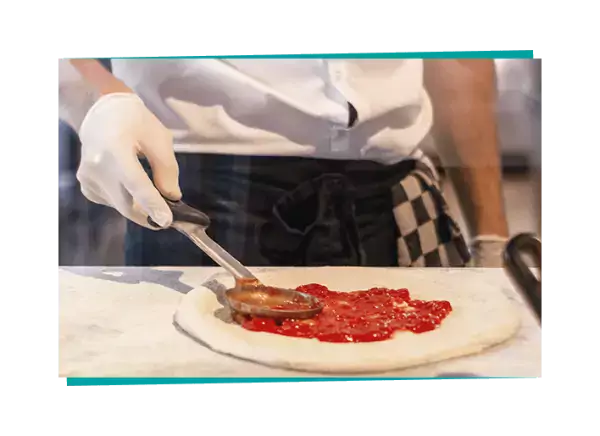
(362, 316)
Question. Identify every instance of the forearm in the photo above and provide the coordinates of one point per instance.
(81, 83)
(98, 77)
(463, 94)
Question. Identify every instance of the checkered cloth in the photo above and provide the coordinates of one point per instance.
(429, 236)
(288, 211)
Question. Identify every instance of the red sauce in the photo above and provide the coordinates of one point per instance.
(362, 316)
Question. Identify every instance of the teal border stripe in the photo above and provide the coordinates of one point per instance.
(77, 381)
(492, 54)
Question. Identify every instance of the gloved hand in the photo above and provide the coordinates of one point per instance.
(117, 129)
(487, 251)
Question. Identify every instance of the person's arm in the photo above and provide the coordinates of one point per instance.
(81, 83)
(463, 95)
(98, 77)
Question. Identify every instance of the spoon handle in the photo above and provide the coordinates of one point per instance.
(217, 253)
(183, 212)
(193, 224)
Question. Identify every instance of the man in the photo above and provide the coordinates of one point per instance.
(296, 161)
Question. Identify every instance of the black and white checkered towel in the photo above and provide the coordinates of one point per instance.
(428, 235)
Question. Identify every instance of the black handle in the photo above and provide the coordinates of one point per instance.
(520, 272)
(184, 213)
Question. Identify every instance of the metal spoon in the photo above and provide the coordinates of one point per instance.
(249, 296)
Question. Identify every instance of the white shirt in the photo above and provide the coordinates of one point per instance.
(286, 107)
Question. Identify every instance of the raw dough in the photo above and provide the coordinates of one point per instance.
(482, 316)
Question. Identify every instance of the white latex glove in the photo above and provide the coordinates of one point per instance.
(487, 251)
(117, 129)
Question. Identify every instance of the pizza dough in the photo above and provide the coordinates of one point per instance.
(482, 316)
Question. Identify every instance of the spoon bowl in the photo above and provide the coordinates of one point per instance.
(271, 302)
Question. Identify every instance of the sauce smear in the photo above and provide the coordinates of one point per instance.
(362, 316)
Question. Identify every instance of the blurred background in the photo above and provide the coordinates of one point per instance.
(91, 235)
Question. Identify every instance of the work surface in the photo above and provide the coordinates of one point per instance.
(118, 322)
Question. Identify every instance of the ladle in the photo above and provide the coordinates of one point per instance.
(249, 296)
